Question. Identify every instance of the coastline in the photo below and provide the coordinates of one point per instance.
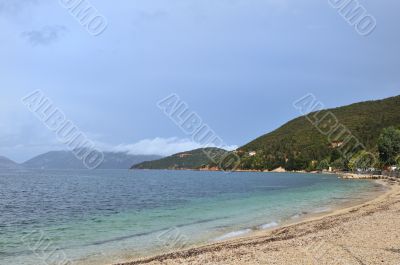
(344, 175)
(292, 242)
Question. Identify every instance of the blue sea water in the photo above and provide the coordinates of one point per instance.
(106, 216)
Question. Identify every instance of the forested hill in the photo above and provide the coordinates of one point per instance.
(298, 142)
(194, 159)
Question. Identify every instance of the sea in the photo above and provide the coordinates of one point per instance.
(109, 216)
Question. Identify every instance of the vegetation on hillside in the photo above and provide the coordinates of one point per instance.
(299, 145)
(195, 159)
(389, 147)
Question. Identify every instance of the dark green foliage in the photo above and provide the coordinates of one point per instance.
(389, 146)
(335, 155)
(298, 142)
(340, 164)
(294, 163)
(363, 160)
(188, 160)
(323, 165)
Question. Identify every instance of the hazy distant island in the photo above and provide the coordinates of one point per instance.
(67, 160)
(6, 163)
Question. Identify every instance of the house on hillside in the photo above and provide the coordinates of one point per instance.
(336, 144)
(184, 155)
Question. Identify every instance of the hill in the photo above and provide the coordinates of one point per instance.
(6, 163)
(194, 159)
(299, 143)
(67, 160)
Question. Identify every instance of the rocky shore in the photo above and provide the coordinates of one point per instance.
(365, 176)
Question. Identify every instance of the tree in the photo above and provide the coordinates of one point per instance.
(335, 155)
(296, 163)
(324, 164)
(362, 160)
(398, 162)
(340, 164)
(389, 146)
(258, 162)
(312, 166)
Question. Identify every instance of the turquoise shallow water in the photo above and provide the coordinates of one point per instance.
(106, 216)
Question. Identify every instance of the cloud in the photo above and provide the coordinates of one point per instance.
(45, 36)
(157, 146)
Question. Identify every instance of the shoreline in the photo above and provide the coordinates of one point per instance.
(340, 174)
(207, 252)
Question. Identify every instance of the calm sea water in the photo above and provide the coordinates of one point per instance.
(106, 216)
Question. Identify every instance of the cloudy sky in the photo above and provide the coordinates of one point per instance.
(239, 64)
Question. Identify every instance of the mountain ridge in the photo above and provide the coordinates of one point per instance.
(6, 163)
(193, 159)
(67, 160)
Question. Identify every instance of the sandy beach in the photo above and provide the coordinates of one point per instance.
(363, 234)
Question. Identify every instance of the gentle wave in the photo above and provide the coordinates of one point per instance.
(315, 211)
(152, 232)
(233, 234)
(297, 216)
(322, 210)
(268, 226)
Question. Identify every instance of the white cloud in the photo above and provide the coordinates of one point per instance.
(157, 146)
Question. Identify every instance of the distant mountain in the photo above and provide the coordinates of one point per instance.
(67, 160)
(298, 143)
(194, 159)
(6, 163)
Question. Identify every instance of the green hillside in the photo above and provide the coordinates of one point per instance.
(299, 145)
(194, 159)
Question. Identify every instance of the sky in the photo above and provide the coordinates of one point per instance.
(238, 64)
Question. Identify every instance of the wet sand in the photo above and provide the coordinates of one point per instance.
(365, 234)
